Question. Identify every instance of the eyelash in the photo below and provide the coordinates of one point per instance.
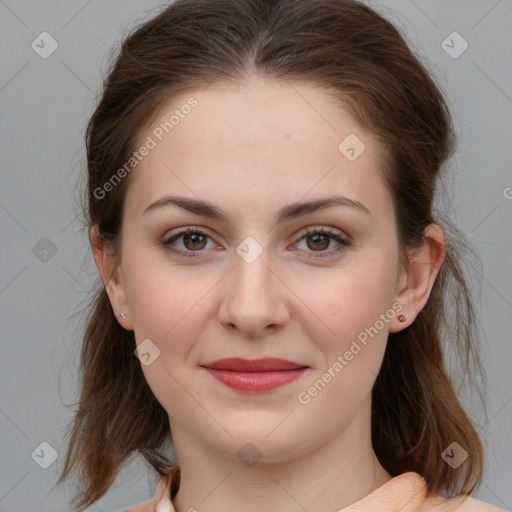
(343, 244)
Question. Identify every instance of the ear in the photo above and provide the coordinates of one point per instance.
(416, 281)
(112, 278)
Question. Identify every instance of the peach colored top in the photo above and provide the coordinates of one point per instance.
(403, 493)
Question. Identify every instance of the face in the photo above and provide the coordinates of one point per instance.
(310, 287)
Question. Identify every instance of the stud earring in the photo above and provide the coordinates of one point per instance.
(123, 315)
(401, 318)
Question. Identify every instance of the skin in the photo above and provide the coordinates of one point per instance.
(251, 151)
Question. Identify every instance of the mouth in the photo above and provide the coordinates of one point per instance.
(239, 364)
(256, 375)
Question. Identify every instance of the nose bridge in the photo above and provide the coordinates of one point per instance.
(252, 276)
(250, 296)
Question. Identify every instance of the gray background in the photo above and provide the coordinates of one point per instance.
(45, 104)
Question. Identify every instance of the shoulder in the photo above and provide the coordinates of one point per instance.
(159, 498)
(462, 503)
(141, 507)
(473, 505)
(410, 489)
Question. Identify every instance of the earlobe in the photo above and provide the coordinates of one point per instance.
(111, 276)
(416, 281)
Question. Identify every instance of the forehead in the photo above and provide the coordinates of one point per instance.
(267, 139)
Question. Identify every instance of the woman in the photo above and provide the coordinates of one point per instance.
(261, 185)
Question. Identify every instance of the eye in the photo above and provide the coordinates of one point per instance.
(317, 239)
(194, 241)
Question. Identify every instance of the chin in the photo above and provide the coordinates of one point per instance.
(252, 442)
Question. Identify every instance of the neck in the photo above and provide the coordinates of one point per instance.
(324, 478)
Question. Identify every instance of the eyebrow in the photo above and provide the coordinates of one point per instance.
(207, 209)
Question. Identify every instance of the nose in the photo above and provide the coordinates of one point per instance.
(254, 300)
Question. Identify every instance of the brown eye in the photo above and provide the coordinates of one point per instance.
(194, 241)
(318, 241)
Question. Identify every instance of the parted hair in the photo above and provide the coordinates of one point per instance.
(355, 53)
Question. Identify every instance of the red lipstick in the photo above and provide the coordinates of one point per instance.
(256, 375)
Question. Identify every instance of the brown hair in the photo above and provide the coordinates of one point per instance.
(350, 50)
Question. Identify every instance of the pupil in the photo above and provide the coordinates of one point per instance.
(195, 238)
(318, 239)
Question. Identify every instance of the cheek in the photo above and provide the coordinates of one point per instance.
(174, 324)
(165, 298)
(171, 311)
(343, 303)
(351, 338)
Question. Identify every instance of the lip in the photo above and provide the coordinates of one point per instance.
(267, 364)
(256, 375)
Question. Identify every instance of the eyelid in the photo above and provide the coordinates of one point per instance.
(300, 233)
(341, 237)
(330, 230)
(186, 230)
